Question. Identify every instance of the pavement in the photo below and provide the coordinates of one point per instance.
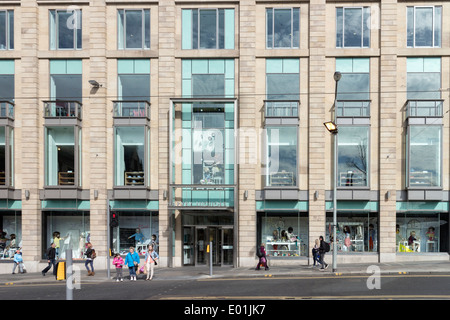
(203, 272)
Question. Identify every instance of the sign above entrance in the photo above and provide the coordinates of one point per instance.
(201, 197)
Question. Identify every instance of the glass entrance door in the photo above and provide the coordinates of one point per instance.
(188, 246)
(197, 239)
(200, 245)
(227, 246)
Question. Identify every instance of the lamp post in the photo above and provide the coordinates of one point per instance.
(333, 129)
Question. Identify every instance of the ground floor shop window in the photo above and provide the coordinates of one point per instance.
(10, 233)
(68, 230)
(283, 234)
(136, 229)
(355, 232)
(422, 232)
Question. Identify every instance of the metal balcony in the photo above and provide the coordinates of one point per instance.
(353, 108)
(6, 109)
(131, 109)
(62, 109)
(281, 108)
(424, 108)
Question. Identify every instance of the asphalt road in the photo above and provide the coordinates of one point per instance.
(385, 287)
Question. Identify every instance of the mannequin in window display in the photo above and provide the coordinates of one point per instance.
(57, 241)
(398, 236)
(371, 236)
(347, 241)
(430, 234)
(412, 241)
(81, 244)
(138, 236)
(11, 244)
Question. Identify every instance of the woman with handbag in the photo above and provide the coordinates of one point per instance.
(132, 261)
(150, 261)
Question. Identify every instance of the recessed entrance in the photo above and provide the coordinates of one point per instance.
(196, 240)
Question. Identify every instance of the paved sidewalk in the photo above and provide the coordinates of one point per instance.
(197, 273)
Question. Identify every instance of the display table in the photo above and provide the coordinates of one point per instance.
(431, 246)
(283, 248)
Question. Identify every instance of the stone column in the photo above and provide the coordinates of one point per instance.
(28, 124)
(96, 107)
(167, 84)
(320, 152)
(389, 136)
(247, 147)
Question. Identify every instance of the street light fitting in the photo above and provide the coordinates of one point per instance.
(95, 84)
(331, 127)
(337, 76)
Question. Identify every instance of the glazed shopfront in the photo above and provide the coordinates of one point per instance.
(202, 193)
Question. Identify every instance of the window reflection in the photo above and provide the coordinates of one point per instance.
(425, 156)
(353, 156)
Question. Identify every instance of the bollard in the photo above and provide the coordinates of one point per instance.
(210, 260)
(69, 275)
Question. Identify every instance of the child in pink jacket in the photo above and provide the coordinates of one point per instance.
(118, 263)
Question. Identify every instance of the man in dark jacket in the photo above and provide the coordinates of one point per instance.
(322, 251)
(51, 255)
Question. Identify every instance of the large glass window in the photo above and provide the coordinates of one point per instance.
(281, 156)
(423, 78)
(62, 159)
(69, 228)
(65, 80)
(6, 29)
(135, 229)
(353, 91)
(6, 81)
(133, 29)
(355, 232)
(207, 29)
(353, 27)
(424, 156)
(282, 28)
(10, 233)
(130, 156)
(422, 232)
(208, 78)
(6, 156)
(283, 79)
(353, 156)
(65, 29)
(424, 26)
(283, 234)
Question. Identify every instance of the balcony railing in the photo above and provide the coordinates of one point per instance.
(62, 109)
(424, 108)
(6, 109)
(281, 108)
(353, 108)
(131, 109)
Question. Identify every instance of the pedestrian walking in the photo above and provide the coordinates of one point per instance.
(18, 262)
(51, 255)
(323, 248)
(90, 256)
(118, 263)
(132, 261)
(151, 258)
(315, 252)
(261, 253)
